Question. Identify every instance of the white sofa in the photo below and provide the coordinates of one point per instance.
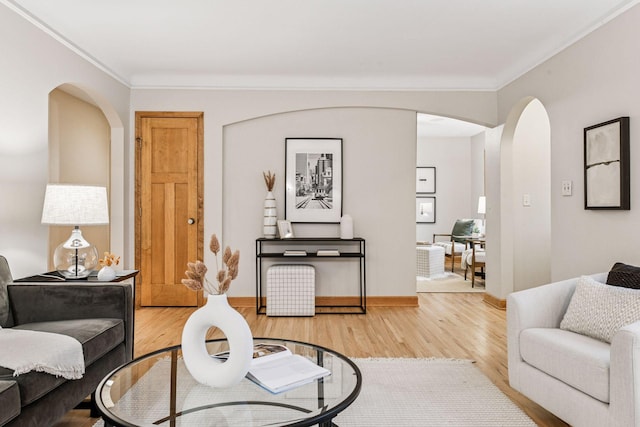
(583, 381)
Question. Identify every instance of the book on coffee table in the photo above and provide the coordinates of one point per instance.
(277, 369)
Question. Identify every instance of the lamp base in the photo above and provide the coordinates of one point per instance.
(76, 258)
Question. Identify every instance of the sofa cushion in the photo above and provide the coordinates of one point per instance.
(577, 360)
(97, 336)
(626, 276)
(599, 311)
(9, 401)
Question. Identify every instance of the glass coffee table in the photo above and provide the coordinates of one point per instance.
(157, 389)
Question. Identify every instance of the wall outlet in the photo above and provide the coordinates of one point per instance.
(566, 188)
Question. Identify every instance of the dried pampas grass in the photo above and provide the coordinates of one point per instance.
(196, 271)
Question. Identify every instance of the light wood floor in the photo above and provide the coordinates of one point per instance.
(444, 325)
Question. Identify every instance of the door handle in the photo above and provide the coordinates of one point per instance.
(191, 221)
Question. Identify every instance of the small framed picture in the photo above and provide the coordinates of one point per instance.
(426, 180)
(285, 229)
(425, 209)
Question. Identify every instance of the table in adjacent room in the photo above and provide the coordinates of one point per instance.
(158, 389)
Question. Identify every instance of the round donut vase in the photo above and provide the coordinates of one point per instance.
(205, 369)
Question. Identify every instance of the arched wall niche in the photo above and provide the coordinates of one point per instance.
(111, 136)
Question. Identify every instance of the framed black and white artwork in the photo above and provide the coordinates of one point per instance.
(425, 180)
(425, 209)
(313, 179)
(606, 165)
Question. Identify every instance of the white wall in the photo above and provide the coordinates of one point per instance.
(496, 267)
(531, 177)
(459, 163)
(477, 170)
(33, 65)
(594, 80)
(377, 192)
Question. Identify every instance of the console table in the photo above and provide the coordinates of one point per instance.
(306, 248)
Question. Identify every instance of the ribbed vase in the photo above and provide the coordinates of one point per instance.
(270, 216)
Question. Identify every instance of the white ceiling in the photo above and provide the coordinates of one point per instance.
(338, 44)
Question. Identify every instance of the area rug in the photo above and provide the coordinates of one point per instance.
(429, 392)
(425, 392)
(450, 282)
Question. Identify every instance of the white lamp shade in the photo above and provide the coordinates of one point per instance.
(482, 205)
(66, 204)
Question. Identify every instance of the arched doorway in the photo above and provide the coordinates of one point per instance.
(519, 201)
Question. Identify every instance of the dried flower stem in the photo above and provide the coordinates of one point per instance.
(269, 180)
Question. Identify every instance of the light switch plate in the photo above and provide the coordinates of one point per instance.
(526, 200)
(566, 188)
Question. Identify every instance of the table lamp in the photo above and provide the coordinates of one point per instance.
(66, 204)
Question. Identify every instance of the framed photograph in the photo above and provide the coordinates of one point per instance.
(313, 179)
(425, 209)
(425, 180)
(606, 165)
(285, 229)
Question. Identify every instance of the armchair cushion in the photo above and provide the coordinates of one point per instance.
(462, 227)
(599, 311)
(626, 276)
(577, 360)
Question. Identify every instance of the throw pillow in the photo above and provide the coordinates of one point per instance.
(463, 227)
(626, 276)
(599, 311)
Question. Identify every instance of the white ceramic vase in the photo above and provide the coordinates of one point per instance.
(270, 216)
(346, 227)
(204, 368)
(106, 274)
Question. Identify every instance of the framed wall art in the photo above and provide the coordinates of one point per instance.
(606, 165)
(425, 209)
(425, 180)
(313, 180)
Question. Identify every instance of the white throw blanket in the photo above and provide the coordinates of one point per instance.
(56, 354)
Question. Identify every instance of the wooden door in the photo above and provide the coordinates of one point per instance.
(169, 201)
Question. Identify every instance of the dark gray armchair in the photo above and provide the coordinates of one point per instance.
(99, 315)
